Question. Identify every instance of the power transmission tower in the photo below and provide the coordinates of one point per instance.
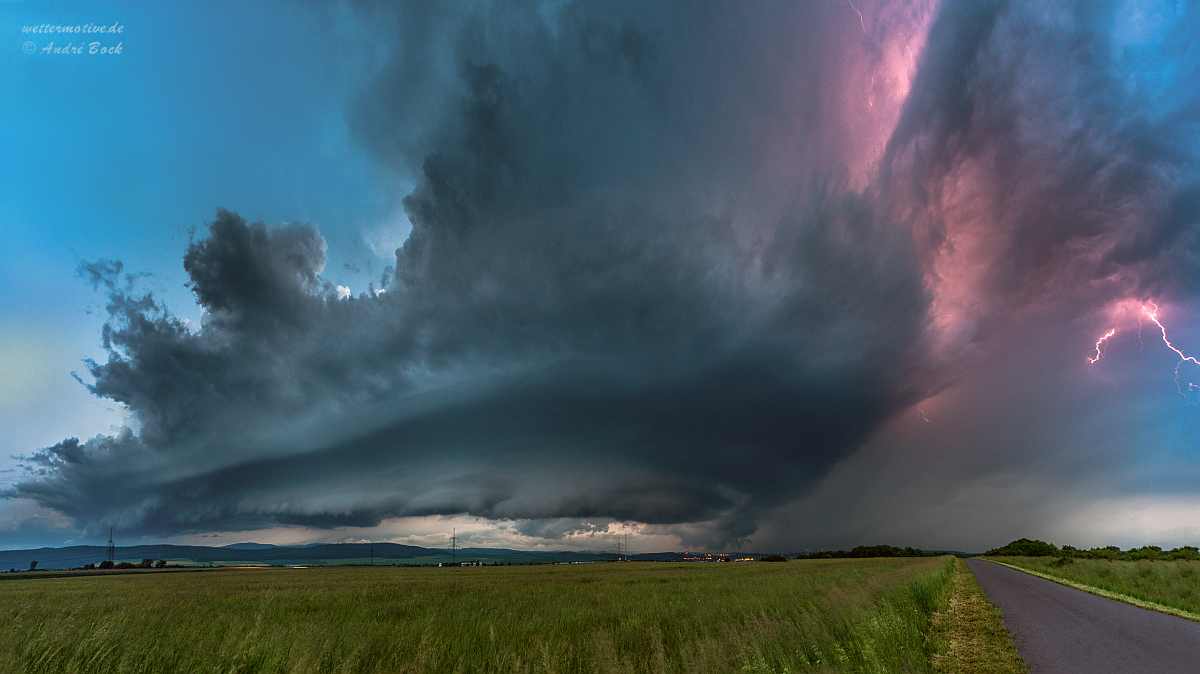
(453, 545)
(112, 551)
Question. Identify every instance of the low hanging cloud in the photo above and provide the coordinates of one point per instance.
(658, 272)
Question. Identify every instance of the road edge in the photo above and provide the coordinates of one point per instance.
(969, 637)
(1107, 594)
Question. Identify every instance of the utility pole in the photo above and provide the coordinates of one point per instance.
(453, 544)
(372, 554)
(112, 551)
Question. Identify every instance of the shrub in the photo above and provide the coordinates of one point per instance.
(160, 564)
(106, 564)
(773, 558)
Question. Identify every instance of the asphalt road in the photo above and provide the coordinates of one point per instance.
(1061, 630)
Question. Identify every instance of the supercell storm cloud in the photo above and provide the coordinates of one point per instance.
(670, 263)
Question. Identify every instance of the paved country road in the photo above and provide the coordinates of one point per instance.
(1061, 630)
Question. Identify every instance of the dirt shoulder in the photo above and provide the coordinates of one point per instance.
(968, 637)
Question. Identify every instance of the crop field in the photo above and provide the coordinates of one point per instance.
(825, 615)
(1172, 583)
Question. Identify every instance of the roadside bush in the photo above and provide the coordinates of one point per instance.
(1185, 552)
(1146, 552)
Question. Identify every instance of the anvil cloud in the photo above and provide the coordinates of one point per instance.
(669, 264)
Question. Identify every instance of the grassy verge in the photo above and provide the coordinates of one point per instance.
(1166, 586)
(836, 615)
(968, 637)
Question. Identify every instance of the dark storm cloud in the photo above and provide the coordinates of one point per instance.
(1066, 141)
(1046, 163)
(606, 309)
(641, 389)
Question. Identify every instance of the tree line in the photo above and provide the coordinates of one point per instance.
(869, 551)
(1023, 547)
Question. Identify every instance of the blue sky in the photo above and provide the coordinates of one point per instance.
(235, 105)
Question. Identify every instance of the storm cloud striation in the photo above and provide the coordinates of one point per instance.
(668, 265)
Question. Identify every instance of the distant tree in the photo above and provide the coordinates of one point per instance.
(146, 563)
(160, 564)
(773, 558)
(106, 564)
(126, 565)
(1023, 547)
(89, 567)
(32, 566)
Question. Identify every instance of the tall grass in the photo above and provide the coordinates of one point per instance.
(837, 615)
(1173, 583)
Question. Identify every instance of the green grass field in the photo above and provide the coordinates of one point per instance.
(836, 615)
(1173, 583)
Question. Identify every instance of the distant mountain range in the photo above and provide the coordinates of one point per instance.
(238, 554)
(248, 546)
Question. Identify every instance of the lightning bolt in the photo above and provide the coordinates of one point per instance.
(1099, 343)
(1153, 315)
(922, 413)
(860, 17)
